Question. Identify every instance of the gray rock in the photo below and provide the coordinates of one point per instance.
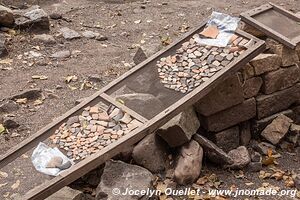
(189, 163)
(294, 134)
(118, 174)
(265, 63)
(142, 103)
(288, 56)
(67, 193)
(10, 123)
(93, 177)
(212, 151)
(6, 16)
(44, 38)
(3, 49)
(55, 16)
(139, 56)
(297, 181)
(256, 157)
(228, 139)
(95, 78)
(151, 48)
(151, 153)
(69, 34)
(245, 133)
(275, 131)
(227, 94)
(254, 166)
(34, 19)
(240, 156)
(101, 38)
(264, 147)
(31, 94)
(90, 34)
(180, 129)
(61, 54)
(9, 106)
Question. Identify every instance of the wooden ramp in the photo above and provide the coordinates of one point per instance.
(176, 103)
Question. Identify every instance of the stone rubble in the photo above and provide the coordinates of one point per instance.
(193, 64)
(275, 131)
(189, 163)
(118, 174)
(94, 129)
(6, 16)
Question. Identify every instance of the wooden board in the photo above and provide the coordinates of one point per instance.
(149, 126)
(276, 22)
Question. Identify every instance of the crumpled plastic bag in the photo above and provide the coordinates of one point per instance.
(226, 25)
(42, 154)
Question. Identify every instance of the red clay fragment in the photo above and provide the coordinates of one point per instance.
(211, 31)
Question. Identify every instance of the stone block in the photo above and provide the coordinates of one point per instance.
(189, 163)
(230, 117)
(151, 153)
(225, 95)
(252, 86)
(247, 71)
(265, 63)
(245, 133)
(180, 129)
(275, 131)
(278, 101)
(212, 151)
(288, 56)
(118, 174)
(259, 125)
(280, 79)
(227, 139)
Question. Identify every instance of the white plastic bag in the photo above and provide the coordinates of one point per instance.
(42, 154)
(226, 25)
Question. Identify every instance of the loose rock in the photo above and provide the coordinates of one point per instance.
(34, 19)
(213, 152)
(275, 131)
(69, 34)
(44, 38)
(151, 153)
(189, 164)
(118, 174)
(240, 156)
(6, 16)
(61, 54)
(180, 129)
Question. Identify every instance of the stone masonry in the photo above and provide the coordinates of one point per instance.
(269, 85)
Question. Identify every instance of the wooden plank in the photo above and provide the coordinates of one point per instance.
(100, 157)
(285, 12)
(247, 17)
(123, 107)
(258, 10)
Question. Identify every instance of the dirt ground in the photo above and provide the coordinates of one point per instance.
(106, 59)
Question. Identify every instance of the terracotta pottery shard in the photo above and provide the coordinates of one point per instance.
(211, 31)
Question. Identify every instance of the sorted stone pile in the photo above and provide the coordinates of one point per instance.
(94, 129)
(194, 64)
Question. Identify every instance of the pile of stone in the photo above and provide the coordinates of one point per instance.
(194, 64)
(94, 129)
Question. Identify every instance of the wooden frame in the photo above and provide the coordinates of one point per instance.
(248, 18)
(51, 186)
